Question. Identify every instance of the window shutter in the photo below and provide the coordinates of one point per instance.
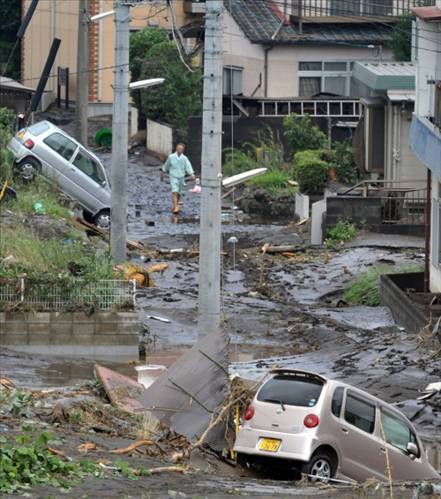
(437, 111)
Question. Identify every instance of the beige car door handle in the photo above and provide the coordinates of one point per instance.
(345, 430)
(383, 450)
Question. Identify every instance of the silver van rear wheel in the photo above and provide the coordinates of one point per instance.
(29, 167)
(321, 467)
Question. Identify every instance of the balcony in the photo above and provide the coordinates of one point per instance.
(351, 11)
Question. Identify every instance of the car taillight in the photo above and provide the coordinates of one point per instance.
(249, 413)
(311, 421)
(29, 143)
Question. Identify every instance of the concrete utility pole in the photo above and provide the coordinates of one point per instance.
(82, 92)
(211, 175)
(118, 229)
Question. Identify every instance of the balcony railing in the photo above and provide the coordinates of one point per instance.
(351, 9)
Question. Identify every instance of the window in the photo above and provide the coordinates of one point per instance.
(360, 414)
(232, 80)
(362, 7)
(337, 401)
(435, 256)
(89, 167)
(291, 390)
(61, 144)
(333, 77)
(38, 128)
(397, 432)
(343, 7)
(309, 86)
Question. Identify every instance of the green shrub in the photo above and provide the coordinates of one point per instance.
(273, 181)
(302, 134)
(27, 462)
(310, 171)
(342, 231)
(6, 158)
(238, 161)
(342, 159)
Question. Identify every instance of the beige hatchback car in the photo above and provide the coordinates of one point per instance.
(323, 427)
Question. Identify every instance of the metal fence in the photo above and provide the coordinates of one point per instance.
(404, 207)
(66, 294)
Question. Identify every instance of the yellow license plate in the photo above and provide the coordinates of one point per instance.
(269, 444)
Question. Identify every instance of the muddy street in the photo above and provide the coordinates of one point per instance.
(284, 311)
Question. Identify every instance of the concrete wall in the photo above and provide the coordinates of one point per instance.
(100, 335)
(405, 311)
(359, 210)
(159, 139)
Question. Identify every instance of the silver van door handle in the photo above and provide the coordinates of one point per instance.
(345, 430)
(383, 450)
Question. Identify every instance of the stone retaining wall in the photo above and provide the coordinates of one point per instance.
(99, 335)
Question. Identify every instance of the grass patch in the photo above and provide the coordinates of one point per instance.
(42, 192)
(273, 181)
(49, 258)
(365, 290)
(343, 231)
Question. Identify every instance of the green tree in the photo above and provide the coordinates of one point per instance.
(6, 126)
(10, 12)
(302, 134)
(401, 42)
(153, 55)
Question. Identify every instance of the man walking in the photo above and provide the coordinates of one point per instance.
(177, 166)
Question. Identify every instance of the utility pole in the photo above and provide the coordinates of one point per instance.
(82, 91)
(118, 228)
(211, 174)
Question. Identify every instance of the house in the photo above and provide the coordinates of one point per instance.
(271, 51)
(59, 18)
(272, 48)
(425, 136)
(387, 92)
(14, 95)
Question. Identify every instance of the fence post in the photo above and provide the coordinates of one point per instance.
(22, 288)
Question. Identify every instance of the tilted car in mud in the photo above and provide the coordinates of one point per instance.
(46, 149)
(326, 428)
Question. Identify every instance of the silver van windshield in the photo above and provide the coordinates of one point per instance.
(289, 390)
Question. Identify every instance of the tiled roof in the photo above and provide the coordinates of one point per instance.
(260, 21)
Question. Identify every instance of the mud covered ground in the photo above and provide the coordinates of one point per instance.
(278, 310)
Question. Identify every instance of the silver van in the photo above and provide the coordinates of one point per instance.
(324, 427)
(44, 148)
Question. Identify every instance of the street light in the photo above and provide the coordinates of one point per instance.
(145, 83)
(97, 17)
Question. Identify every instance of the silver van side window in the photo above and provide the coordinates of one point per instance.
(89, 167)
(397, 432)
(360, 414)
(337, 401)
(61, 144)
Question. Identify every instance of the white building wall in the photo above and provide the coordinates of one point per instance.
(428, 53)
(240, 52)
(435, 270)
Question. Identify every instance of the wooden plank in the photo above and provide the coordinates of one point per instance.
(121, 390)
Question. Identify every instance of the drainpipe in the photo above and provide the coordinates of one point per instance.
(427, 218)
(265, 70)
